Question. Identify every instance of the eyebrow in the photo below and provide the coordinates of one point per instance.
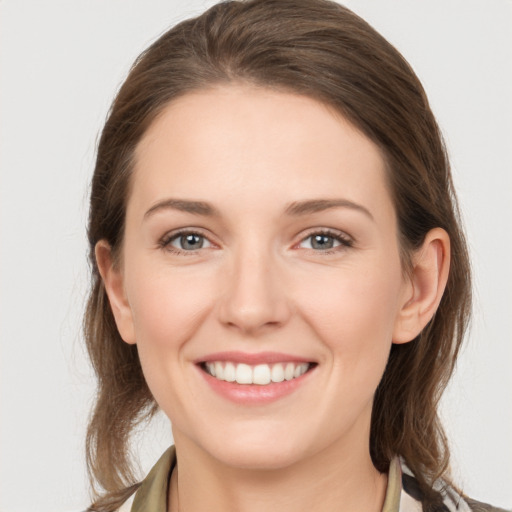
(195, 207)
(297, 208)
(319, 205)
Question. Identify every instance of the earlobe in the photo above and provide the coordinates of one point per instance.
(431, 265)
(113, 281)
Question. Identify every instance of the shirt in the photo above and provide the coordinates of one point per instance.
(403, 493)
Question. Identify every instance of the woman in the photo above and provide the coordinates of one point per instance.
(278, 265)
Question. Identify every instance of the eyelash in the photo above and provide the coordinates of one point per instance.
(345, 241)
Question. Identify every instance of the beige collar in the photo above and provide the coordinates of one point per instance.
(151, 496)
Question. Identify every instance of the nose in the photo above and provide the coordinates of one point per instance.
(254, 298)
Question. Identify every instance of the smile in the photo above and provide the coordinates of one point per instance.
(260, 374)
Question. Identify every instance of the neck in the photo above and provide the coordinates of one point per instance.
(329, 481)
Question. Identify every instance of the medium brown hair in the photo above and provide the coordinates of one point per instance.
(324, 51)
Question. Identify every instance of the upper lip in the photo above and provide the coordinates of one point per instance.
(253, 358)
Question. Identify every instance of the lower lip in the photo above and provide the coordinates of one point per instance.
(248, 394)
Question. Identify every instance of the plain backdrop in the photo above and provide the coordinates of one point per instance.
(61, 63)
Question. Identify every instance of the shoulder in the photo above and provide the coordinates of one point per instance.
(450, 499)
(151, 494)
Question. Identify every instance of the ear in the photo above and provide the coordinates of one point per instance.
(423, 293)
(113, 281)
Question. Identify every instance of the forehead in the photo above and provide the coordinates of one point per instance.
(254, 143)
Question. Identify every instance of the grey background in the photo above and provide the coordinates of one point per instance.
(61, 63)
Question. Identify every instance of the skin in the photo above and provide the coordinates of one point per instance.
(257, 284)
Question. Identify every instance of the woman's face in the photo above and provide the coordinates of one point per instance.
(260, 243)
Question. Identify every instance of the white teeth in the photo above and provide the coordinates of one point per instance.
(219, 371)
(300, 370)
(243, 374)
(211, 368)
(229, 372)
(261, 374)
(277, 373)
(288, 371)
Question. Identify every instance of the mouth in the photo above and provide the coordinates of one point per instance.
(258, 374)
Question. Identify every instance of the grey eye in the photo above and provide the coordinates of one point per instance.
(190, 242)
(320, 242)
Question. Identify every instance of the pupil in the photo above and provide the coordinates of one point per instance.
(322, 242)
(191, 242)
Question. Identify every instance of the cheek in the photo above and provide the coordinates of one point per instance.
(167, 303)
(353, 312)
(168, 307)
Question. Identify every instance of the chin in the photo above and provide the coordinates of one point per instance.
(252, 447)
(267, 456)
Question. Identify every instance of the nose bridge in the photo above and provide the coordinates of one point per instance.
(253, 296)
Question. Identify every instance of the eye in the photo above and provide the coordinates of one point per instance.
(325, 241)
(185, 242)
